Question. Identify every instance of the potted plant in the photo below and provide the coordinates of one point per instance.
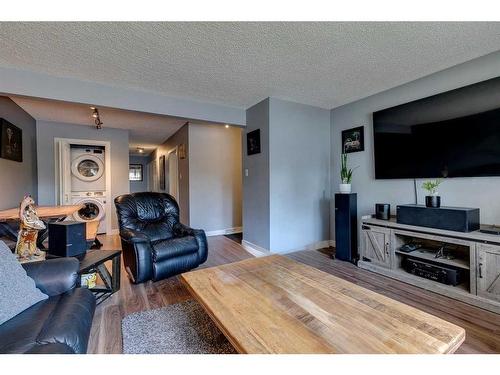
(433, 199)
(345, 175)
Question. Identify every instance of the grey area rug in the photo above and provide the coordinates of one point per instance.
(182, 328)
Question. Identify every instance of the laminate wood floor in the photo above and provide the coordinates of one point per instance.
(482, 327)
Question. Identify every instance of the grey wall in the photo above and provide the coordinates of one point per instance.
(17, 178)
(286, 195)
(469, 192)
(47, 131)
(180, 137)
(299, 146)
(21, 82)
(215, 177)
(256, 187)
(138, 186)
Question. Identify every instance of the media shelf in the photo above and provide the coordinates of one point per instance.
(429, 255)
(474, 256)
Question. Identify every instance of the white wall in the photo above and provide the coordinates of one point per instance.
(467, 192)
(47, 131)
(18, 178)
(215, 177)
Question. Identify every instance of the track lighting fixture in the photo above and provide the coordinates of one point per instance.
(97, 119)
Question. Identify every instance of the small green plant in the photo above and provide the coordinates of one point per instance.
(432, 186)
(345, 173)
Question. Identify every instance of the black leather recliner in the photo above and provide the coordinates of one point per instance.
(58, 325)
(155, 244)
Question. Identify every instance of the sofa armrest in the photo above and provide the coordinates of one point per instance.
(134, 236)
(54, 276)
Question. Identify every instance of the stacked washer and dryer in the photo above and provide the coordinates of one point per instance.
(88, 183)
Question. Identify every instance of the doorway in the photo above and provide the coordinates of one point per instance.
(173, 173)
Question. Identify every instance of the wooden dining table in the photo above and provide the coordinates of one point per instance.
(48, 214)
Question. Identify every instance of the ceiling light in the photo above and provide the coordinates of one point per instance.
(227, 126)
(95, 115)
(140, 150)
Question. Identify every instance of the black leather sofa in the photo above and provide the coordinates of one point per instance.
(58, 325)
(155, 244)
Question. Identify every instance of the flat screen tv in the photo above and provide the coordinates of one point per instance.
(452, 134)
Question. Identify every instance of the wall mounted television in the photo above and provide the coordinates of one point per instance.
(452, 134)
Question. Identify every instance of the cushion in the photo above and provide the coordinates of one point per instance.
(174, 247)
(17, 291)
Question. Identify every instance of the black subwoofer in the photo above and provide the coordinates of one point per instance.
(67, 239)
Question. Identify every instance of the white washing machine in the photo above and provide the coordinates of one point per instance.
(87, 168)
(94, 207)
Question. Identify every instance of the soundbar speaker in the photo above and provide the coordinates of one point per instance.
(448, 218)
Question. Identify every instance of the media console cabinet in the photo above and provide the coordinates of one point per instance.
(475, 254)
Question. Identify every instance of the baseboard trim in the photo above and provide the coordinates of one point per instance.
(254, 249)
(319, 245)
(313, 246)
(222, 232)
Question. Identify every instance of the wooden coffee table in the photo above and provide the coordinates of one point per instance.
(276, 305)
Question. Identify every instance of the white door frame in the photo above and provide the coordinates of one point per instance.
(107, 166)
(176, 151)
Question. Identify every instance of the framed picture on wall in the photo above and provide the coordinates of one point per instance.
(253, 142)
(353, 140)
(161, 173)
(135, 172)
(11, 141)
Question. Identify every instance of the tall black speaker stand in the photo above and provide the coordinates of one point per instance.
(346, 227)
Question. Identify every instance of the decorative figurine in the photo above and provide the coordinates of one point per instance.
(29, 226)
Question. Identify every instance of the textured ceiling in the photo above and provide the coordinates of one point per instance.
(323, 64)
(145, 130)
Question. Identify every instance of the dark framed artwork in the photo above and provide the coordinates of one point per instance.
(253, 142)
(135, 172)
(353, 140)
(162, 172)
(11, 141)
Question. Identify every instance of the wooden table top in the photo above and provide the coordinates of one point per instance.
(44, 212)
(276, 305)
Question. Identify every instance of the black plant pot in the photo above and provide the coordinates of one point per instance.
(433, 201)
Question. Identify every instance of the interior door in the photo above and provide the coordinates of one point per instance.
(173, 175)
(154, 176)
(376, 245)
(63, 173)
(488, 271)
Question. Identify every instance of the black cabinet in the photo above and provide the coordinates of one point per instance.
(346, 227)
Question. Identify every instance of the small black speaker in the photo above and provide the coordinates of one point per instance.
(346, 227)
(67, 239)
(382, 211)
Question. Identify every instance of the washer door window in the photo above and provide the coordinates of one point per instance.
(91, 211)
(87, 168)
